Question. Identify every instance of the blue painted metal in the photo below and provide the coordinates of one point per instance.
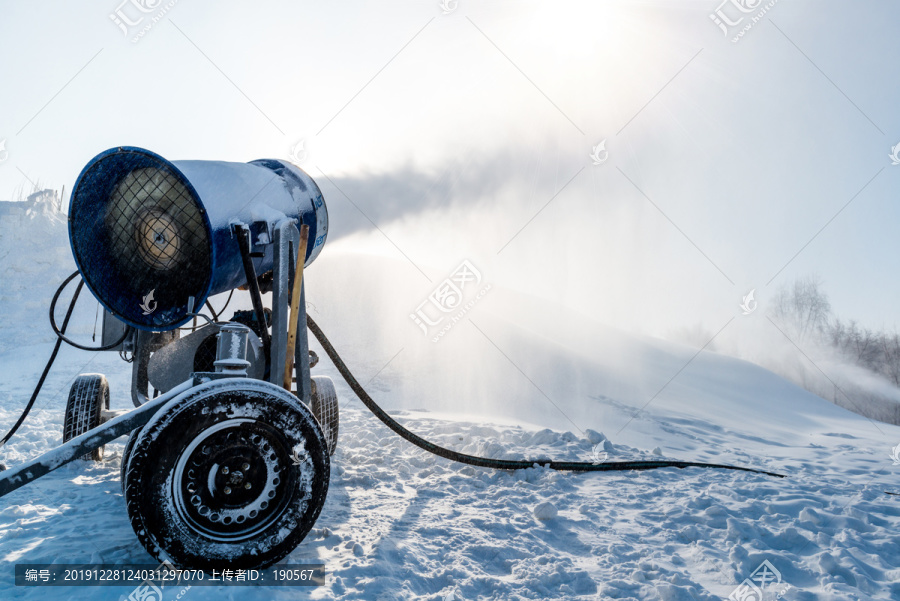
(216, 194)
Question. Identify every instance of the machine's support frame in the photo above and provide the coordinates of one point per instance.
(139, 360)
(81, 445)
(287, 239)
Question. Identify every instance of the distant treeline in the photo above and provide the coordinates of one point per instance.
(803, 312)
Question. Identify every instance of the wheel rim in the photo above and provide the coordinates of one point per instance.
(170, 526)
(229, 483)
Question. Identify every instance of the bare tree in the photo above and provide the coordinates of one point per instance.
(890, 349)
(802, 307)
(802, 310)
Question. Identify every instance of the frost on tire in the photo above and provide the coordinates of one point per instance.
(232, 473)
(126, 453)
(88, 396)
(325, 407)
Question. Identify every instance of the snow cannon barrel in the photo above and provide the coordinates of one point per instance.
(153, 237)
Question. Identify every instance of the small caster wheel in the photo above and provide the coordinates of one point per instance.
(88, 396)
(325, 407)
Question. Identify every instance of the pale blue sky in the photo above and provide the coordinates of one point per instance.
(747, 150)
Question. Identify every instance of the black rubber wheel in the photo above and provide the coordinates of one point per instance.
(231, 474)
(132, 438)
(325, 407)
(88, 396)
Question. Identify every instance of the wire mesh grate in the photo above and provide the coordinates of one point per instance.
(140, 238)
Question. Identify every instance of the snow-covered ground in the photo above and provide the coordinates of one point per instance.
(401, 524)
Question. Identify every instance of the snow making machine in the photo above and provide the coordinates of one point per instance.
(227, 458)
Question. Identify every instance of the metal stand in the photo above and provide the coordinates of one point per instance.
(286, 239)
(144, 343)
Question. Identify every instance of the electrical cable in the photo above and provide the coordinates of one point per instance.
(61, 335)
(503, 464)
(227, 302)
(59, 340)
(215, 313)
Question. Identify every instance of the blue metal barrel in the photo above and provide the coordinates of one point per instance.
(150, 236)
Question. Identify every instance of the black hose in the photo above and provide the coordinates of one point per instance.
(243, 240)
(503, 464)
(60, 334)
(211, 310)
(59, 340)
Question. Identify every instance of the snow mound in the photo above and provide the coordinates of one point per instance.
(34, 260)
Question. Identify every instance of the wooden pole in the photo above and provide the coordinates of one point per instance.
(295, 309)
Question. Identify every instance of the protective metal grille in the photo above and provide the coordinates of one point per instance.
(166, 227)
(141, 239)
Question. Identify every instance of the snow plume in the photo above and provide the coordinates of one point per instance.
(588, 249)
